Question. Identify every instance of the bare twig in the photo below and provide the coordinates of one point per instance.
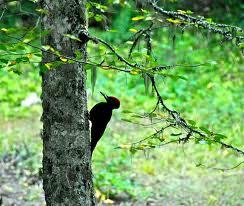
(120, 58)
(4, 9)
(154, 134)
(221, 169)
(168, 67)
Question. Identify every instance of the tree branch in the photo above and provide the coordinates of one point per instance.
(67, 57)
(213, 27)
(222, 169)
(120, 58)
(183, 124)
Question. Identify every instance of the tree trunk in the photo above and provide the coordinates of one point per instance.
(67, 177)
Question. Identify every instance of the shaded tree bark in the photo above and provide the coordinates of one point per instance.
(67, 177)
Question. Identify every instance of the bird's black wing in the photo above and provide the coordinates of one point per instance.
(100, 115)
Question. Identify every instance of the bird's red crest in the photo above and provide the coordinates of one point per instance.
(115, 101)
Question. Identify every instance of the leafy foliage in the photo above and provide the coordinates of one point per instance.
(209, 97)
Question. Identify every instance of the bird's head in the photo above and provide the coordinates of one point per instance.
(113, 101)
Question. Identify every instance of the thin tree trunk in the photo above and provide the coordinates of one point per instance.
(67, 177)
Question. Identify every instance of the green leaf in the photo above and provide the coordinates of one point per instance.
(42, 11)
(93, 78)
(5, 61)
(241, 45)
(133, 150)
(149, 58)
(27, 40)
(112, 30)
(204, 129)
(176, 134)
(127, 111)
(145, 11)
(182, 77)
(197, 140)
(63, 59)
(72, 37)
(46, 47)
(98, 6)
(181, 11)
(89, 67)
(137, 18)
(210, 20)
(219, 137)
(191, 122)
(136, 54)
(146, 83)
(134, 71)
(52, 65)
(189, 12)
(78, 55)
(15, 69)
(4, 30)
(3, 47)
(132, 30)
(174, 21)
(22, 59)
(98, 17)
(126, 120)
(43, 69)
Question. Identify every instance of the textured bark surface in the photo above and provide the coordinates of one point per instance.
(67, 178)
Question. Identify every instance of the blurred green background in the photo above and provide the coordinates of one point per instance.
(211, 95)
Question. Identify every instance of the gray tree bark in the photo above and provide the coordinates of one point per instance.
(67, 177)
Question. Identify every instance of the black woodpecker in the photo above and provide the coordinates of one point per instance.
(99, 116)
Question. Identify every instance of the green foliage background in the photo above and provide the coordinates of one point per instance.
(211, 95)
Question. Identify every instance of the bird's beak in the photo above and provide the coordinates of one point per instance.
(105, 96)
